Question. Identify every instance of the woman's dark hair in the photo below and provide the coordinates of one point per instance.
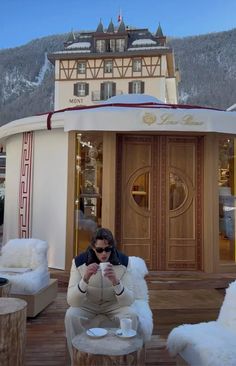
(103, 234)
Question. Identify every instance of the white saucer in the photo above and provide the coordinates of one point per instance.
(130, 333)
(96, 332)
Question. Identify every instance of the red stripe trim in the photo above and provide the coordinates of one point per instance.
(152, 105)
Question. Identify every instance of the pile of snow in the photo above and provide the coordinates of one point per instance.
(143, 41)
(133, 98)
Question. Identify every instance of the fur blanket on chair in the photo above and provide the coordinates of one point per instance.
(138, 268)
(227, 315)
(211, 343)
(24, 263)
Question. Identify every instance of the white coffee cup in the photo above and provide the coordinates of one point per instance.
(103, 266)
(125, 326)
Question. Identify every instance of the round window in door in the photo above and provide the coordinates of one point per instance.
(140, 190)
(178, 191)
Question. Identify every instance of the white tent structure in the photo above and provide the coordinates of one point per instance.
(38, 158)
(123, 113)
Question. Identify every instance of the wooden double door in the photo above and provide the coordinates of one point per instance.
(159, 211)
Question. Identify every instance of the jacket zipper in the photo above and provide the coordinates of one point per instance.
(101, 288)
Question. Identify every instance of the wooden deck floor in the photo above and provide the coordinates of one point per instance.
(46, 343)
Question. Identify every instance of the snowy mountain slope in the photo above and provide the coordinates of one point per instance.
(207, 66)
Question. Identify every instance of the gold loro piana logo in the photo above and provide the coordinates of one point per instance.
(149, 118)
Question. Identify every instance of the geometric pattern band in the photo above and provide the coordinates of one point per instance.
(25, 188)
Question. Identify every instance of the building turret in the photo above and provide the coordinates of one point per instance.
(160, 37)
(111, 27)
(100, 27)
(71, 39)
(121, 28)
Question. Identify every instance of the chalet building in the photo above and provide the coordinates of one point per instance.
(161, 176)
(95, 66)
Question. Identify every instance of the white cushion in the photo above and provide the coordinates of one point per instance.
(14, 270)
(28, 283)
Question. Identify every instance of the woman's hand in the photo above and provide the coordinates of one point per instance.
(90, 270)
(110, 274)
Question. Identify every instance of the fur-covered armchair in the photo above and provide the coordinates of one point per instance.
(138, 268)
(212, 343)
(24, 263)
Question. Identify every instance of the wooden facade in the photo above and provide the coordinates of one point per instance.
(167, 234)
(122, 68)
(160, 198)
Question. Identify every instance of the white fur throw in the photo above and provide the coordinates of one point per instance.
(28, 253)
(25, 253)
(227, 315)
(138, 268)
(214, 344)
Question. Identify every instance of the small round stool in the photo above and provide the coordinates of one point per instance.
(12, 331)
(5, 287)
(108, 350)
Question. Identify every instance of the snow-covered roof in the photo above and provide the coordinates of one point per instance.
(79, 45)
(232, 108)
(72, 51)
(140, 42)
(147, 48)
(133, 37)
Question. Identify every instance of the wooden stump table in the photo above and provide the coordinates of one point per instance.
(5, 287)
(109, 350)
(12, 331)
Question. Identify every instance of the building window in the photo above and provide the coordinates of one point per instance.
(137, 65)
(108, 90)
(81, 67)
(120, 45)
(136, 87)
(81, 89)
(227, 199)
(88, 186)
(100, 45)
(108, 66)
(112, 45)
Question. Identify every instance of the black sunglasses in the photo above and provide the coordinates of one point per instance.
(100, 250)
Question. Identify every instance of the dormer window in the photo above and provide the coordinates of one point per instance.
(100, 45)
(137, 65)
(112, 45)
(81, 67)
(120, 44)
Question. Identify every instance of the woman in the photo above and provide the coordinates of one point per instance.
(98, 299)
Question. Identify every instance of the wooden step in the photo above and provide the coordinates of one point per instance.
(156, 353)
(185, 299)
(188, 280)
(171, 308)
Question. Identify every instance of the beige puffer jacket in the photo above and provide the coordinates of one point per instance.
(99, 292)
